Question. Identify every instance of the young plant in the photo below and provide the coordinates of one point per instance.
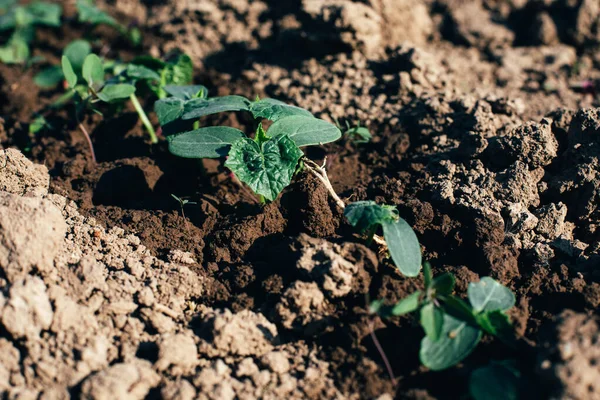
(22, 20)
(265, 163)
(453, 327)
(76, 52)
(99, 89)
(402, 243)
(89, 13)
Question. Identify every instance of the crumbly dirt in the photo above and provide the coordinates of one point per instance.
(486, 133)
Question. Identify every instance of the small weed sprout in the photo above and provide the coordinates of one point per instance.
(265, 163)
(453, 327)
(22, 20)
(182, 204)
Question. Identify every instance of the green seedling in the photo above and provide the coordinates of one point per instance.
(89, 13)
(453, 327)
(97, 88)
(358, 134)
(22, 20)
(265, 163)
(182, 204)
(402, 243)
(176, 71)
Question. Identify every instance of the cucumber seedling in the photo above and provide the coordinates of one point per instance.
(265, 163)
(453, 327)
(96, 88)
(22, 20)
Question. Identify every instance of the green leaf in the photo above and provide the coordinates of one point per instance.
(359, 134)
(68, 72)
(495, 323)
(76, 52)
(268, 168)
(117, 91)
(404, 246)
(363, 215)
(93, 71)
(89, 13)
(305, 131)
(407, 305)
(217, 105)
(432, 321)
(187, 92)
(178, 72)
(140, 72)
(169, 109)
(459, 309)
(443, 284)
(489, 295)
(275, 110)
(496, 381)
(43, 13)
(211, 142)
(49, 77)
(15, 52)
(457, 340)
(37, 124)
(427, 274)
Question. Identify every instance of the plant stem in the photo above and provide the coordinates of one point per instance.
(321, 174)
(388, 366)
(262, 199)
(196, 125)
(89, 140)
(144, 118)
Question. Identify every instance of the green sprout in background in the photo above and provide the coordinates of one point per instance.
(22, 20)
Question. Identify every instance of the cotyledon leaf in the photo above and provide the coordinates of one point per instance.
(305, 131)
(266, 168)
(210, 142)
(457, 340)
(217, 105)
(489, 295)
(274, 110)
(404, 246)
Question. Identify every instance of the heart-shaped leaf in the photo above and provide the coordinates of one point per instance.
(211, 142)
(457, 340)
(489, 295)
(363, 215)
(217, 105)
(305, 131)
(116, 92)
(404, 246)
(275, 110)
(267, 168)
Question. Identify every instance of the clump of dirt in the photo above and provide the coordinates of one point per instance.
(569, 354)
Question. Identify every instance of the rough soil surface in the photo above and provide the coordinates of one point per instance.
(486, 134)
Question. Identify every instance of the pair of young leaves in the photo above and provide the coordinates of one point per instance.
(266, 163)
(452, 327)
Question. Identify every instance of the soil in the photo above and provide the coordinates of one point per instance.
(482, 136)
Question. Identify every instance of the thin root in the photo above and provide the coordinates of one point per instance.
(320, 173)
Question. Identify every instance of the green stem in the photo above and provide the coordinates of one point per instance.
(144, 118)
(262, 199)
(196, 125)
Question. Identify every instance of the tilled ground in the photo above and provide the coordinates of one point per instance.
(483, 138)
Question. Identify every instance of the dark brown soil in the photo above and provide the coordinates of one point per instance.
(480, 138)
